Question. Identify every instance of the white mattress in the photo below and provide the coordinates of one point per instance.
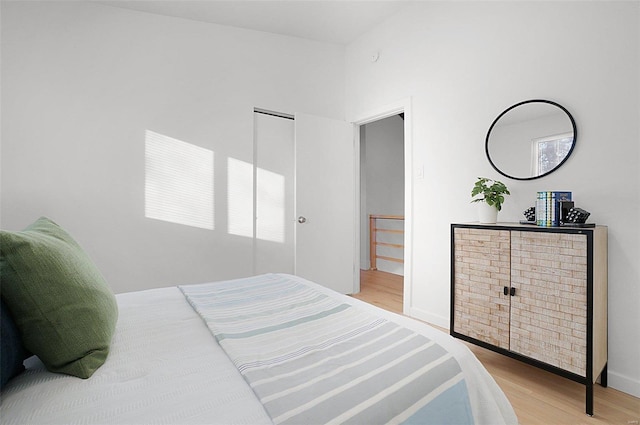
(165, 367)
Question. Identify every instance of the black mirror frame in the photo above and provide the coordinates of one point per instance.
(573, 145)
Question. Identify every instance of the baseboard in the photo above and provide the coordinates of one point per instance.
(623, 383)
(425, 316)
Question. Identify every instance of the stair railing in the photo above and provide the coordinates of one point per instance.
(374, 229)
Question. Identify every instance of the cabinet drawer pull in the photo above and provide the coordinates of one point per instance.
(506, 290)
(512, 292)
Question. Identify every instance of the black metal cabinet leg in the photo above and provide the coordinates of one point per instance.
(589, 401)
(603, 376)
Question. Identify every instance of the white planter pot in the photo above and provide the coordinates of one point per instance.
(488, 214)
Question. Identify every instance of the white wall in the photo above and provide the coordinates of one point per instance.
(82, 82)
(382, 184)
(462, 63)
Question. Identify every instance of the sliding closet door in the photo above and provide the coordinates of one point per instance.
(274, 174)
(325, 202)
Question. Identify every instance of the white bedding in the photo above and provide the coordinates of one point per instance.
(165, 367)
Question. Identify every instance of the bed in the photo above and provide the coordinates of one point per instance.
(265, 349)
(166, 365)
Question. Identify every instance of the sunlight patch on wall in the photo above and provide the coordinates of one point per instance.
(270, 202)
(179, 186)
(270, 206)
(239, 198)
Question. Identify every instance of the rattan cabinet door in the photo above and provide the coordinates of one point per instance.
(481, 308)
(549, 308)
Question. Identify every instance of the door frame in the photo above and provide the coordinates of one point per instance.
(375, 114)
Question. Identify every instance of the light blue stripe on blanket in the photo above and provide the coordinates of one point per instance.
(285, 325)
(311, 358)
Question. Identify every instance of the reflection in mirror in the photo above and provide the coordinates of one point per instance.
(530, 139)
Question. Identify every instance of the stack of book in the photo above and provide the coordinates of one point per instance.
(548, 211)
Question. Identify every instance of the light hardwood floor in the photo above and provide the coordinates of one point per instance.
(538, 397)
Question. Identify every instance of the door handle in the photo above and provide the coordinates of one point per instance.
(302, 220)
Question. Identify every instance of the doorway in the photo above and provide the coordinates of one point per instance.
(347, 210)
(382, 210)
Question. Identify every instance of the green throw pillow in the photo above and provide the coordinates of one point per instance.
(64, 309)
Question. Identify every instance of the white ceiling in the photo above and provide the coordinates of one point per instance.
(334, 21)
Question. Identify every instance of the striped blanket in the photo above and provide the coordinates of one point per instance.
(312, 359)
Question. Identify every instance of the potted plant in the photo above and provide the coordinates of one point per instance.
(492, 192)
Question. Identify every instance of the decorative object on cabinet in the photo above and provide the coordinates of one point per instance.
(492, 192)
(576, 216)
(530, 139)
(530, 214)
(535, 294)
(564, 207)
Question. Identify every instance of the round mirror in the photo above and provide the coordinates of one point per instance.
(530, 139)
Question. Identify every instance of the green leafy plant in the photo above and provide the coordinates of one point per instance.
(492, 192)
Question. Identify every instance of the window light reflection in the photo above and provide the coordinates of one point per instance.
(179, 186)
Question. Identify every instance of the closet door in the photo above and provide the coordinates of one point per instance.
(325, 202)
(274, 203)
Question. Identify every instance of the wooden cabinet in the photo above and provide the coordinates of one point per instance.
(536, 294)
